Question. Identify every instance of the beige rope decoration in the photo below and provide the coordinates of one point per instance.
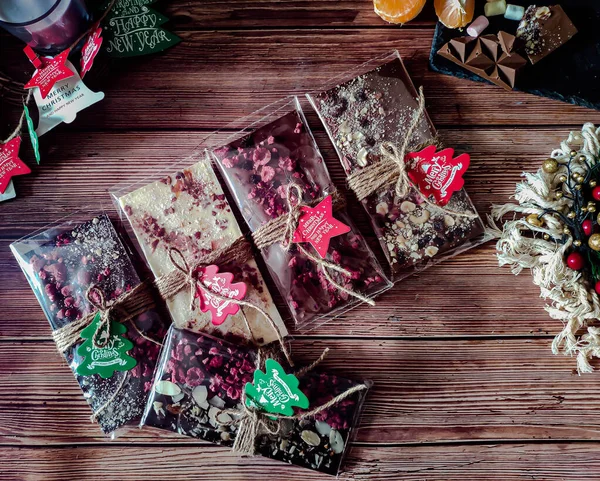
(252, 422)
(392, 167)
(101, 409)
(188, 277)
(282, 230)
(125, 308)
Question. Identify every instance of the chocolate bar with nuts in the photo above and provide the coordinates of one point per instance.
(360, 115)
(61, 263)
(199, 376)
(543, 30)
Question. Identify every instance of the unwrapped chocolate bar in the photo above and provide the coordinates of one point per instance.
(320, 262)
(198, 390)
(367, 119)
(61, 264)
(186, 212)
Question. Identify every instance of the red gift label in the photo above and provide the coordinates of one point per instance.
(90, 50)
(10, 164)
(221, 284)
(52, 70)
(317, 226)
(437, 173)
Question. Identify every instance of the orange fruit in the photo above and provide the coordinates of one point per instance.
(455, 13)
(398, 11)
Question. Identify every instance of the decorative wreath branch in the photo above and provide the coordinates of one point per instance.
(555, 232)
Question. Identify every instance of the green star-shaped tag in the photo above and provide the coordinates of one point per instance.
(275, 391)
(32, 134)
(108, 359)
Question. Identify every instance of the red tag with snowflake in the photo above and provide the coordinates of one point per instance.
(52, 70)
(437, 173)
(10, 164)
(317, 226)
(221, 284)
(90, 50)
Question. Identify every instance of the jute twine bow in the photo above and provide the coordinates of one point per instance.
(393, 168)
(123, 309)
(253, 422)
(282, 230)
(185, 276)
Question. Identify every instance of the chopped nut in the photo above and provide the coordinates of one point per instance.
(382, 208)
(421, 219)
(431, 251)
(407, 206)
(449, 221)
(542, 13)
(361, 157)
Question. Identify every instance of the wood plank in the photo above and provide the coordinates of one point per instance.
(215, 77)
(425, 391)
(494, 462)
(71, 178)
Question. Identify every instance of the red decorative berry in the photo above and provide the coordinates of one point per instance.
(587, 227)
(597, 287)
(575, 261)
(596, 193)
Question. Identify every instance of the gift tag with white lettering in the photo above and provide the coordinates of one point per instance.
(132, 28)
(63, 102)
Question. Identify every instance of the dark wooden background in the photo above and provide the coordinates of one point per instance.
(465, 384)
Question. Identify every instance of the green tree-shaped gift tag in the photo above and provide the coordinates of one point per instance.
(132, 28)
(109, 358)
(274, 391)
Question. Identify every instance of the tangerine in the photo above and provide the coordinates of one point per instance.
(455, 13)
(398, 11)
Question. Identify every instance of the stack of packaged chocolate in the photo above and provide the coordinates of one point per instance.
(224, 373)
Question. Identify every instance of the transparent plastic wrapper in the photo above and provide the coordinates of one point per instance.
(367, 109)
(199, 378)
(62, 262)
(273, 162)
(186, 212)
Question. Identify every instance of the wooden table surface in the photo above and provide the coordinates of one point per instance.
(466, 386)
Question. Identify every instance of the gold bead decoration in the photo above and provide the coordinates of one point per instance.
(558, 195)
(578, 187)
(582, 158)
(562, 178)
(598, 219)
(591, 208)
(571, 215)
(573, 153)
(546, 236)
(584, 209)
(594, 242)
(550, 166)
(566, 231)
(533, 219)
(577, 243)
(593, 183)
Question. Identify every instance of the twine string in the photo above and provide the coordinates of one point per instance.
(192, 280)
(253, 422)
(392, 167)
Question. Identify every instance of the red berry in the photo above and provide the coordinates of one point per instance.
(596, 193)
(575, 261)
(597, 287)
(587, 227)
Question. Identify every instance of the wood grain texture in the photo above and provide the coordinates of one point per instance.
(465, 384)
(115, 462)
(425, 391)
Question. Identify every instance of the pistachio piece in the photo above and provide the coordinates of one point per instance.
(337, 441)
(407, 206)
(310, 437)
(361, 157)
(322, 428)
(421, 219)
(167, 388)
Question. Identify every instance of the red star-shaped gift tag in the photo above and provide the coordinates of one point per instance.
(10, 164)
(90, 50)
(52, 70)
(437, 173)
(317, 226)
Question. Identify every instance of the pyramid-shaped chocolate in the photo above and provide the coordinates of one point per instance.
(479, 60)
(460, 47)
(490, 46)
(506, 41)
